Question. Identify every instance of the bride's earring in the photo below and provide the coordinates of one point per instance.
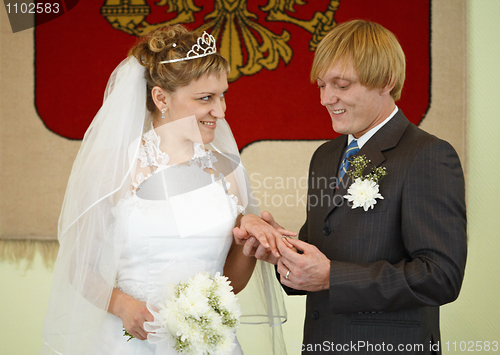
(163, 112)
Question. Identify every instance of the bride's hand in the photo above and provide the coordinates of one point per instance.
(133, 314)
(133, 318)
(265, 232)
(268, 217)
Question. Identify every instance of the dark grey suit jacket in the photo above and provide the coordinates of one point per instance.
(394, 265)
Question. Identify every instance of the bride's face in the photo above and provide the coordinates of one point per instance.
(200, 104)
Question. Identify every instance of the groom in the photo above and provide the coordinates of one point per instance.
(374, 277)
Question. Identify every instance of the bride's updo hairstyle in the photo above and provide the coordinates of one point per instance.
(171, 43)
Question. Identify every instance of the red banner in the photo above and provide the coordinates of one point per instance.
(268, 43)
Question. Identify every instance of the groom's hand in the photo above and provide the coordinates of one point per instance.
(308, 271)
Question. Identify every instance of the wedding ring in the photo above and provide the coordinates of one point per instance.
(287, 274)
(284, 236)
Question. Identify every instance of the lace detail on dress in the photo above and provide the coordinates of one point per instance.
(134, 289)
(203, 158)
(150, 153)
(152, 158)
(239, 208)
(234, 198)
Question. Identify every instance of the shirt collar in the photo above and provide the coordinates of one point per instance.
(365, 137)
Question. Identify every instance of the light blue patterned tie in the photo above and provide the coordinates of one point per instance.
(350, 151)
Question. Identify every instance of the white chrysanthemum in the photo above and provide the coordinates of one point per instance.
(362, 193)
(193, 303)
(200, 282)
(202, 315)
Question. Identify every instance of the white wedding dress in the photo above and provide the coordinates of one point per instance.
(179, 228)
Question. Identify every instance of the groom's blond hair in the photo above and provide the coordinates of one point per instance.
(373, 50)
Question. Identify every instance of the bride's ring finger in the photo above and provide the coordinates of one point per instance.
(284, 238)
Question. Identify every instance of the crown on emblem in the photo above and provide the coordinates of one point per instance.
(204, 46)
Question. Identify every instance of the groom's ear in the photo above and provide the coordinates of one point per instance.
(386, 90)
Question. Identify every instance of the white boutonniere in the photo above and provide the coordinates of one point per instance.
(364, 190)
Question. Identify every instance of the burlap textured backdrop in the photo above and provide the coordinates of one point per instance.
(35, 162)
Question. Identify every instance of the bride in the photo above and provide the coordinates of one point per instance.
(153, 197)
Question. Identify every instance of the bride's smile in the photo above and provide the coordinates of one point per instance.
(202, 99)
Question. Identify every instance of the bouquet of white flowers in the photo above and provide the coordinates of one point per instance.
(202, 316)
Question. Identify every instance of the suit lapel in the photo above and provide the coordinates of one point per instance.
(335, 158)
(386, 138)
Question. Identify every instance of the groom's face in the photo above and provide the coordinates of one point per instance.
(353, 107)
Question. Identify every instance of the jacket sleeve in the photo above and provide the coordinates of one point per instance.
(433, 233)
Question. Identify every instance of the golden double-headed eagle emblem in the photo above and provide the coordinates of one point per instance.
(233, 25)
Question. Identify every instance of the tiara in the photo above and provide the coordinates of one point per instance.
(203, 47)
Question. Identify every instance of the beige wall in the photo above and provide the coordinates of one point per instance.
(473, 317)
